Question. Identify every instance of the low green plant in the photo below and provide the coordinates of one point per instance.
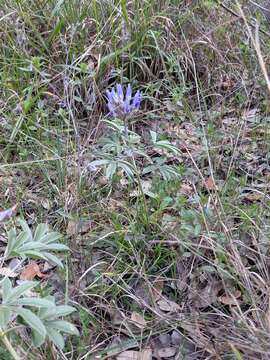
(125, 149)
(19, 304)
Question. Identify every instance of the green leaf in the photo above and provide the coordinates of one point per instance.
(37, 302)
(21, 239)
(56, 247)
(38, 339)
(6, 289)
(40, 232)
(19, 290)
(124, 10)
(153, 135)
(51, 237)
(5, 316)
(41, 246)
(32, 320)
(100, 162)
(60, 310)
(56, 337)
(26, 228)
(33, 254)
(111, 169)
(53, 259)
(64, 326)
(11, 241)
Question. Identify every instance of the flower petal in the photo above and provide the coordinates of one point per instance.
(120, 93)
(128, 93)
(115, 97)
(111, 108)
(109, 95)
(137, 100)
(127, 107)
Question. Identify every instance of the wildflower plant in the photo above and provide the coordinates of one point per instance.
(121, 103)
(124, 149)
(18, 302)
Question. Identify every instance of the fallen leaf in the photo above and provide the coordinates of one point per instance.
(103, 180)
(138, 320)
(47, 267)
(32, 270)
(5, 271)
(124, 181)
(168, 305)
(145, 354)
(78, 227)
(208, 295)
(210, 184)
(165, 340)
(157, 289)
(15, 265)
(166, 352)
(254, 196)
(46, 204)
(230, 299)
(186, 189)
(6, 214)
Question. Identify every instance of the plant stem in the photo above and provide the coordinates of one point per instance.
(127, 143)
(8, 345)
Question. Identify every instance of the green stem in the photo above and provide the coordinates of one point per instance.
(126, 141)
(8, 345)
(141, 190)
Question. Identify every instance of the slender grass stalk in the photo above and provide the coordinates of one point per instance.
(8, 345)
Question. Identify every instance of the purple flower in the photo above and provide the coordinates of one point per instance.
(121, 103)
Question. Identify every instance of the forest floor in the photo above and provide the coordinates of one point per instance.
(169, 243)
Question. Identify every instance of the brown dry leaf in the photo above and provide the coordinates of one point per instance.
(230, 299)
(45, 203)
(167, 352)
(30, 271)
(254, 196)
(124, 180)
(103, 180)
(186, 189)
(145, 354)
(208, 295)
(138, 320)
(157, 289)
(6, 214)
(5, 271)
(210, 184)
(168, 305)
(78, 227)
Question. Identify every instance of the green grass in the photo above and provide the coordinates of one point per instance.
(202, 83)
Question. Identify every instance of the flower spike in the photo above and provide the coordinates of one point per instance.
(119, 103)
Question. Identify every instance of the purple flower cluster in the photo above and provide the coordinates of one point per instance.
(120, 104)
